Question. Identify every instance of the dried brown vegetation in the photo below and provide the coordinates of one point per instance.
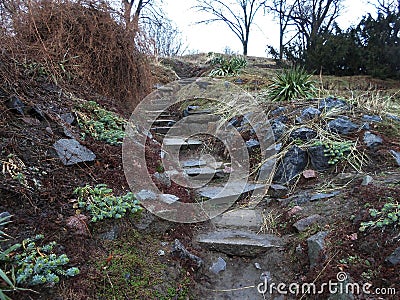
(79, 43)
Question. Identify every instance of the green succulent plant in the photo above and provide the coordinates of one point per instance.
(291, 84)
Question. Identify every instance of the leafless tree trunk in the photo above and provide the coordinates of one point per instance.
(238, 15)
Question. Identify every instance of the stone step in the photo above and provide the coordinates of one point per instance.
(242, 219)
(205, 173)
(200, 118)
(238, 242)
(158, 113)
(223, 194)
(178, 142)
(162, 129)
(193, 163)
(162, 122)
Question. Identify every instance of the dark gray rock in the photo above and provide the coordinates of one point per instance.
(239, 243)
(303, 224)
(343, 290)
(316, 248)
(342, 125)
(16, 105)
(368, 118)
(68, 118)
(278, 129)
(309, 113)
(278, 111)
(367, 180)
(305, 134)
(111, 234)
(6, 216)
(234, 121)
(393, 117)
(168, 198)
(293, 163)
(318, 159)
(394, 258)
(372, 140)
(36, 112)
(163, 179)
(179, 250)
(252, 144)
(321, 196)
(218, 266)
(71, 152)
(330, 103)
(277, 191)
(144, 195)
(396, 156)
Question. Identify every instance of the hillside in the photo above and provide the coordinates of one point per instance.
(59, 141)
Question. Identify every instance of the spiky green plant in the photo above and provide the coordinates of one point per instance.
(291, 84)
(227, 67)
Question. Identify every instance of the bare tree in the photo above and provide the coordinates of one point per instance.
(238, 15)
(283, 10)
(135, 10)
(165, 37)
(387, 7)
(311, 18)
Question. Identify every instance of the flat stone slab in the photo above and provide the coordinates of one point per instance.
(201, 118)
(193, 163)
(162, 129)
(245, 219)
(181, 142)
(162, 122)
(201, 173)
(71, 152)
(235, 189)
(239, 243)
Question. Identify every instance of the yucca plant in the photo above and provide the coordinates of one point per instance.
(291, 84)
(227, 67)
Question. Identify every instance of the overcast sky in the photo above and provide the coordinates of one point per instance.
(265, 31)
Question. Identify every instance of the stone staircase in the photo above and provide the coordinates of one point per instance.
(233, 237)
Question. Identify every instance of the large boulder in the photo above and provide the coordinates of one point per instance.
(318, 158)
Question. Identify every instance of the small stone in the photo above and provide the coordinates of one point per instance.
(309, 174)
(342, 125)
(394, 258)
(321, 196)
(309, 113)
(252, 143)
(218, 266)
(393, 117)
(294, 211)
(257, 265)
(278, 111)
(305, 134)
(71, 152)
(68, 118)
(396, 156)
(305, 223)
(179, 250)
(372, 140)
(367, 180)
(163, 179)
(316, 248)
(49, 131)
(160, 252)
(169, 199)
(368, 118)
(278, 129)
(16, 105)
(144, 195)
(330, 103)
(277, 191)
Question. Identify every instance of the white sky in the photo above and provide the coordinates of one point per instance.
(265, 31)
